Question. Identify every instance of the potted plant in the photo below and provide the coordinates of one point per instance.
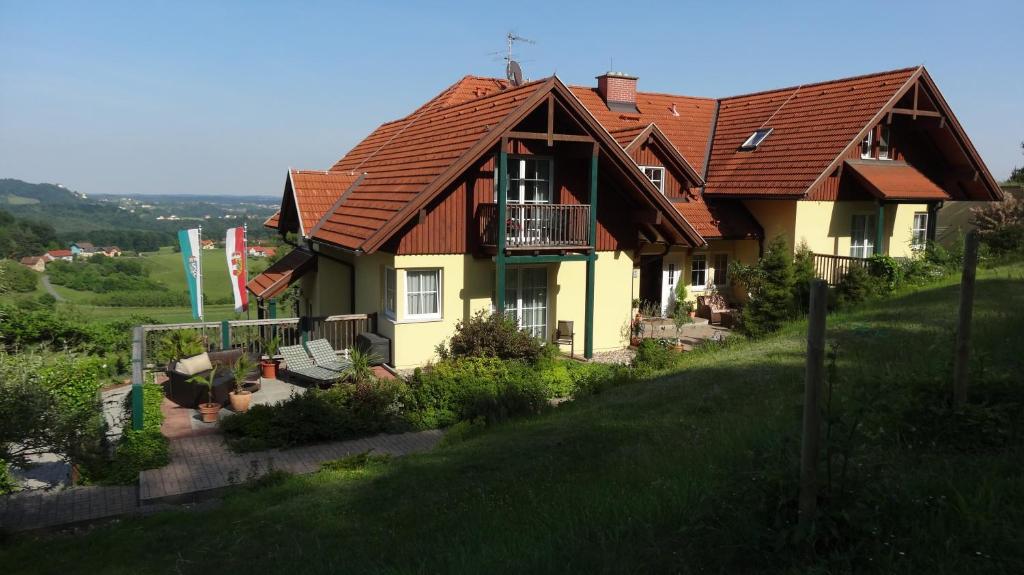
(636, 331)
(178, 344)
(679, 320)
(269, 364)
(210, 409)
(241, 397)
(684, 305)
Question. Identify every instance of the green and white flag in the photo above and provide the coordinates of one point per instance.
(190, 255)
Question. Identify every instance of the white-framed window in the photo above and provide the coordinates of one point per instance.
(862, 236)
(919, 237)
(526, 299)
(390, 297)
(423, 294)
(529, 180)
(721, 269)
(656, 174)
(883, 142)
(698, 271)
(865, 144)
(755, 139)
(671, 275)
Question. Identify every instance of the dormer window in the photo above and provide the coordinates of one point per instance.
(657, 176)
(755, 139)
(865, 145)
(883, 142)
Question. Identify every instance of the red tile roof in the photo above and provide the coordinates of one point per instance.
(895, 180)
(273, 221)
(282, 274)
(686, 120)
(315, 193)
(60, 253)
(720, 219)
(402, 158)
(811, 126)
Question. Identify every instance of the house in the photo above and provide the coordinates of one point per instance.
(209, 244)
(64, 255)
(111, 251)
(261, 252)
(82, 249)
(36, 263)
(551, 202)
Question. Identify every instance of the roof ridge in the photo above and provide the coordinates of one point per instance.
(822, 83)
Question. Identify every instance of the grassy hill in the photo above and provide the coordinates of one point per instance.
(693, 472)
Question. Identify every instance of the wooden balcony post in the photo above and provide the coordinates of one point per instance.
(499, 259)
(588, 330)
(880, 229)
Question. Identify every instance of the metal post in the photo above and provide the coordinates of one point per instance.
(813, 383)
(499, 259)
(588, 327)
(138, 357)
(225, 334)
(963, 331)
(272, 308)
(880, 230)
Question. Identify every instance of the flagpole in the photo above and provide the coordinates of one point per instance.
(199, 277)
(245, 257)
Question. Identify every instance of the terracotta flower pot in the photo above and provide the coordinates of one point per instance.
(693, 314)
(209, 412)
(268, 368)
(678, 346)
(240, 401)
(634, 341)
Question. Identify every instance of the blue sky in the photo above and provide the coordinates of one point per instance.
(222, 97)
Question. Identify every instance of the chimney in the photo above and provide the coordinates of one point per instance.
(618, 91)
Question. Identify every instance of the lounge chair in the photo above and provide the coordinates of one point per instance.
(325, 356)
(298, 362)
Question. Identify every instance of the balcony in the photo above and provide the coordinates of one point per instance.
(536, 227)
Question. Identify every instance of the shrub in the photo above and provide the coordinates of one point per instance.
(886, 269)
(803, 273)
(18, 277)
(490, 335)
(653, 356)
(771, 291)
(856, 286)
(342, 412)
(593, 378)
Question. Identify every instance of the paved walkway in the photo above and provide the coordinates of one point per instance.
(200, 465)
(45, 280)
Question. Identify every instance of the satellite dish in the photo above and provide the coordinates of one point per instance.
(514, 73)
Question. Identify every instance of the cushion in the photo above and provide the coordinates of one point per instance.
(193, 365)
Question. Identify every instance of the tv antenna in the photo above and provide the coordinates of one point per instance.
(513, 71)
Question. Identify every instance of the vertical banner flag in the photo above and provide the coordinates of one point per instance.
(189, 240)
(234, 247)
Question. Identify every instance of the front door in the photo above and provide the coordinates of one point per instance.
(526, 299)
(650, 279)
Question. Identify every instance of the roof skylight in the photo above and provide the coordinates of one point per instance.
(755, 139)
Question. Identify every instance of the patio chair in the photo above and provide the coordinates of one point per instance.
(565, 335)
(325, 356)
(298, 362)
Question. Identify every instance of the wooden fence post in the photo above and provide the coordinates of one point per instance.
(963, 330)
(813, 384)
(138, 359)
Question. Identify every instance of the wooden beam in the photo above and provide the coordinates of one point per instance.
(917, 87)
(551, 120)
(916, 113)
(422, 216)
(555, 137)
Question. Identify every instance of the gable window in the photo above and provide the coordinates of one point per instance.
(883, 142)
(721, 269)
(865, 145)
(529, 180)
(389, 293)
(698, 271)
(755, 139)
(423, 294)
(862, 236)
(919, 238)
(656, 174)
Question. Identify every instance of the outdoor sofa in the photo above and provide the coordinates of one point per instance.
(190, 394)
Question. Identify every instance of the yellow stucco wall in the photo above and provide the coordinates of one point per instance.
(613, 295)
(745, 251)
(777, 217)
(826, 226)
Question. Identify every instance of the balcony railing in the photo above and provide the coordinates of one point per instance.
(832, 268)
(536, 226)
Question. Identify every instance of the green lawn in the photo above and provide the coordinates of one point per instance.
(693, 472)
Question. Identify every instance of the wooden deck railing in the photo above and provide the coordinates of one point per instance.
(832, 268)
(536, 225)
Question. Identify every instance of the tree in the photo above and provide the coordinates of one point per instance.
(1017, 174)
(771, 291)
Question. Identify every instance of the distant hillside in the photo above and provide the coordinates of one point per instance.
(141, 223)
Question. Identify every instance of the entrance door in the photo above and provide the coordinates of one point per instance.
(526, 299)
(650, 279)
